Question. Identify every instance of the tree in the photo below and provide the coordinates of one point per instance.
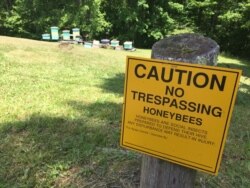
(31, 18)
(141, 21)
(226, 21)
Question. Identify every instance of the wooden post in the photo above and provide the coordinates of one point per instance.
(189, 48)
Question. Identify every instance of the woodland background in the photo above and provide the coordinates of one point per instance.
(142, 21)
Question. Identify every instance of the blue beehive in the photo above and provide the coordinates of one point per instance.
(46, 36)
(114, 43)
(54, 33)
(66, 34)
(127, 45)
(88, 44)
(75, 33)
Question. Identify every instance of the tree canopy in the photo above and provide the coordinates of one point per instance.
(142, 21)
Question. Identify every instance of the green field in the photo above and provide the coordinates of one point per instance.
(60, 118)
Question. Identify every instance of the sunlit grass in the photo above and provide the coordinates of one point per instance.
(60, 115)
(59, 109)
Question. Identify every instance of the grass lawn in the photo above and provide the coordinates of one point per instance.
(60, 116)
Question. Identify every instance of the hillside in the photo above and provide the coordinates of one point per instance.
(60, 116)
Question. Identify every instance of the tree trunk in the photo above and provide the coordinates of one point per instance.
(188, 48)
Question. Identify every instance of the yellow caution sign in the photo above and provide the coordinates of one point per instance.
(178, 112)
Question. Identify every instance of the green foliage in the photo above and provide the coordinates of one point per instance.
(233, 29)
(32, 18)
(87, 17)
(226, 21)
(141, 21)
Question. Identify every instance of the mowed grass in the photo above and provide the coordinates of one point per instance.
(60, 117)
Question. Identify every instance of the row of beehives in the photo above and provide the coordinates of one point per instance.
(106, 43)
(76, 37)
(54, 35)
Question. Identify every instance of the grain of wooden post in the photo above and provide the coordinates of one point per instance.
(189, 48)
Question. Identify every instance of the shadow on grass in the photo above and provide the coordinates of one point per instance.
(45, 151)
(243, 95)
(104, 111)
(245, 69)
(114, 84)
(243, 65)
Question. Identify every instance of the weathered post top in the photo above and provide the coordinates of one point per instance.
(190, 48)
